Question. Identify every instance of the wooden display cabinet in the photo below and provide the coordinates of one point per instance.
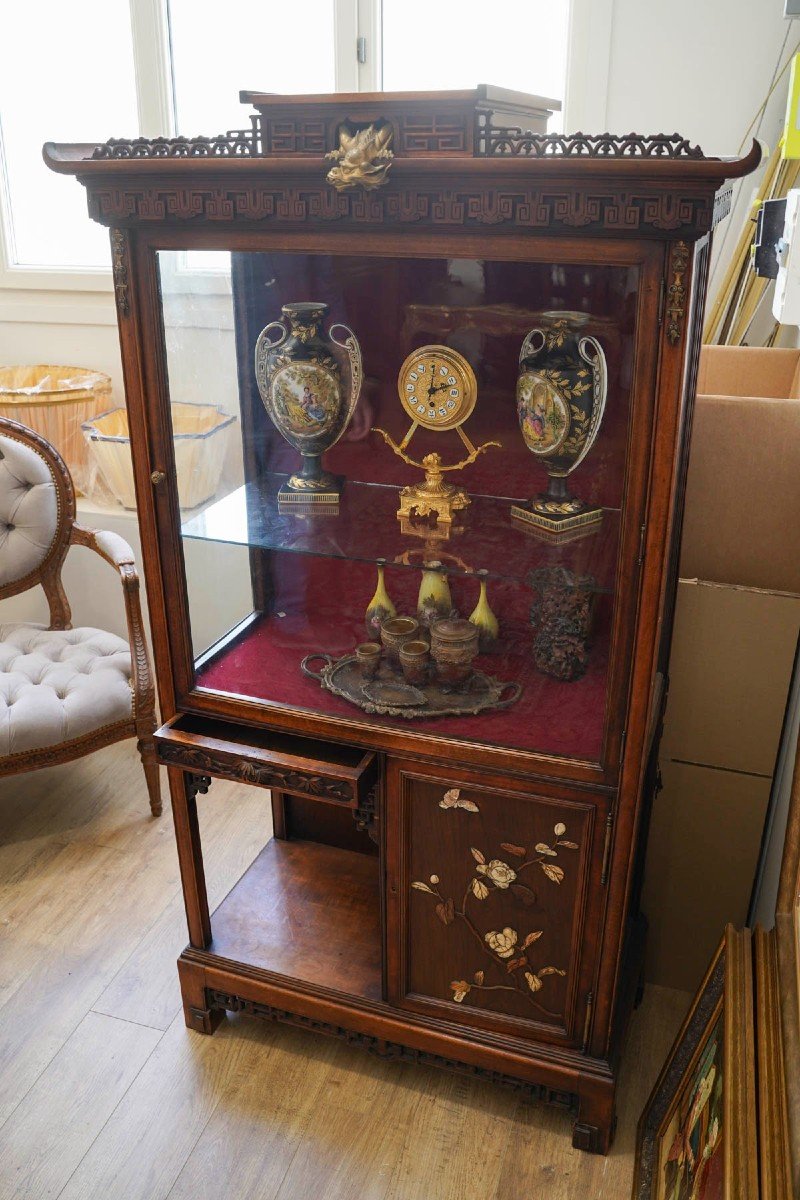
(461, 889)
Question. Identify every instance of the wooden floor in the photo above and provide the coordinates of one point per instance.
(105, 1094)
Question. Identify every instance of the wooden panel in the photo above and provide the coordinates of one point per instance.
(308, 911)
(487, 901)
(312, 822)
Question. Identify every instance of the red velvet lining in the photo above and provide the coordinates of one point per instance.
(323, 609)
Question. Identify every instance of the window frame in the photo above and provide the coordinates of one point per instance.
(586, 87)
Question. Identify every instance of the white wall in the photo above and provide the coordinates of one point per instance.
(701, 67)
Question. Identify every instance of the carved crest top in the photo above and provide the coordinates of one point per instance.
(480, 157)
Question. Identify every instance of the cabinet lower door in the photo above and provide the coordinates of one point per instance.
(494, 901)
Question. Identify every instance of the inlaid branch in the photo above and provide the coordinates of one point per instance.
(502, 947)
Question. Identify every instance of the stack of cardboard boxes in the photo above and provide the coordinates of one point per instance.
(736, 631)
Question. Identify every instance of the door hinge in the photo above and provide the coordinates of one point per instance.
(587, 1022)
(361, 49)
(607, 847)
(642, 540)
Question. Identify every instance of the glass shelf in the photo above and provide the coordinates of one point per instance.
(366, 529)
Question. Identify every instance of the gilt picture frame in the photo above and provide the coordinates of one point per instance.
(697, 1135)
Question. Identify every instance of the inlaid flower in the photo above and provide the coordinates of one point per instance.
(499, 872)
(479, 890)
(502, 943)
(460, 989)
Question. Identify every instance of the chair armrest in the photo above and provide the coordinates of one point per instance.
(110, 546)
(118, 554)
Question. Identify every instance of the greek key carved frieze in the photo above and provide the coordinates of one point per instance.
(535, 208)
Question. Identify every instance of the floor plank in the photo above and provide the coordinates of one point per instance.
(456, 1142)
(141, 1150)
(99, 1102)
(62, 1114)
(104, 913)
(145, 988)
(260, 1122)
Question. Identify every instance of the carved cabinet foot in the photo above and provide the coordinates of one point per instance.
(196, 1011)
(596, 1123)
(202, 1020)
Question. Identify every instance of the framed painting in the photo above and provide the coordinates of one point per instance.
(697, 1134)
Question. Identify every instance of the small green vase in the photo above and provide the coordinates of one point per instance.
(379, 609)
(484, 618)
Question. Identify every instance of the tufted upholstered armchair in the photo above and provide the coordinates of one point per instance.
(64, 692)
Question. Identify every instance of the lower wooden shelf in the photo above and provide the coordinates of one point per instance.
(307, 911)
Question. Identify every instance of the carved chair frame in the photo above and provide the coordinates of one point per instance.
(116, 552)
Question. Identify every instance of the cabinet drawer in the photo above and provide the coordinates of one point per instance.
(494, 901)
(298, 766)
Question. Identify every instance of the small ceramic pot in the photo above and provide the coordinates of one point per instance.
(368, 657)
(395, 633)
(454, 644)
(415, 660)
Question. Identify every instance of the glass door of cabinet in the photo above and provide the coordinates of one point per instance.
(319, 400)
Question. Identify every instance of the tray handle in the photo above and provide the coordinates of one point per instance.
(516, 692)
(319, 675)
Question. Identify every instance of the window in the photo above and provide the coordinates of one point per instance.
(55, 85)
(112, 68)
(271, 47)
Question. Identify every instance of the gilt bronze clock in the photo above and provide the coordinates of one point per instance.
(438, 390)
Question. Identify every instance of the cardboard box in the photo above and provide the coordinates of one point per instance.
(743, 487)
(736, 628)
(730, 669)
(705, 835)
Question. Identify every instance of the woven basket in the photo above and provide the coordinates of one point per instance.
(200, 433)
(55, 401)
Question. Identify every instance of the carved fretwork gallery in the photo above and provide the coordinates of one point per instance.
(460, 890)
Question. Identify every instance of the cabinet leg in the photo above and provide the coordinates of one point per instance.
(190, 857)
(594, 1128)
(278, 814)
(196, 1013)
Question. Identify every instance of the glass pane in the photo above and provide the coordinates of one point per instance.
(59, 82)
(518, 44)
(261, 47)
(292, 577)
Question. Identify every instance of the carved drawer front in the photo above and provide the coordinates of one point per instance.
(490, 921)
(324, 771)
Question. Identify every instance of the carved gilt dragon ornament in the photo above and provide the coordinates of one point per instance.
(363, 158)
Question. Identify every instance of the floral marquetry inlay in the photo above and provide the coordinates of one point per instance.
(514, 961)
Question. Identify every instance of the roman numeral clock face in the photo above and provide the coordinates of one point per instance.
(437, 387)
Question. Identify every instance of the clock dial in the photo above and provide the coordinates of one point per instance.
(437, 387)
